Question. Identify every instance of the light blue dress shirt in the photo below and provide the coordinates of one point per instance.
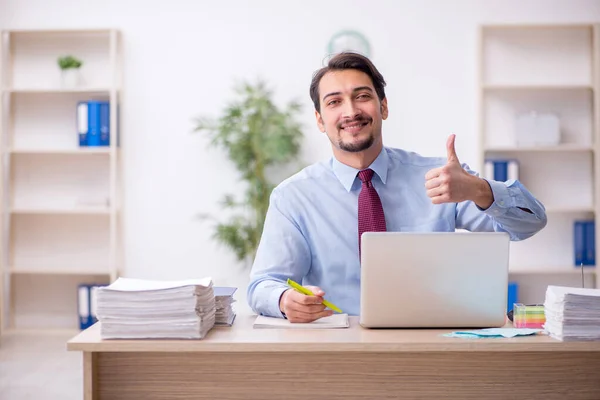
(311, 228)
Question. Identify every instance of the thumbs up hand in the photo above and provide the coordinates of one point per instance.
(452, 184)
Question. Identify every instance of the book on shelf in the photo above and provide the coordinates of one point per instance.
(93, 123)
(87, 301)
(501, 170)
(513, 295)
(584, 243)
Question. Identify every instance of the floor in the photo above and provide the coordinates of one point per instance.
(34, 366)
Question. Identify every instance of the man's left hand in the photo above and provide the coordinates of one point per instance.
(452, 184)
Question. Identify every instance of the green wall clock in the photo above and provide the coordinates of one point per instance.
(349, 40)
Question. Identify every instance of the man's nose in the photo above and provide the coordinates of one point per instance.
(350, 110)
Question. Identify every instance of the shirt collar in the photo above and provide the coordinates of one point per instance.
(346, 174)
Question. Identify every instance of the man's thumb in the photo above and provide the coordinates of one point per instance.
(452, 157)
(317, 291)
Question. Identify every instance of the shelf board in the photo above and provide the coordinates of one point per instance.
(105, 90)
(516, 25)
(58, 211)
(59, 31)
(569, 210)
(542, 149)
(564, 270)
(56, 271)
(67, 332)
(498, 87)
(77, 151)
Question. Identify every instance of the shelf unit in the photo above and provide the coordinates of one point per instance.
(545, 68)
(60, 209)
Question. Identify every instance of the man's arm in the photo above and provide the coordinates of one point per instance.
(513, 210)
(484, 205)
(283, 253)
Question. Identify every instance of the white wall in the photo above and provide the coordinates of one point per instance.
(181, 60)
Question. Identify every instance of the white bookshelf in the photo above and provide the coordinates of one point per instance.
(60, 205)
(545, 68)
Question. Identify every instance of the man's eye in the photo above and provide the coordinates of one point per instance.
(333, 102)
(363, 96)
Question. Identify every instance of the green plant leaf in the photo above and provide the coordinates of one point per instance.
(67, 62)
(255, 133)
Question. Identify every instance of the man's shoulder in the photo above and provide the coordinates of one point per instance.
(306, 176)
(411, 158)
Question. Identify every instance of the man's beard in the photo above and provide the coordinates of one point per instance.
(356, 147)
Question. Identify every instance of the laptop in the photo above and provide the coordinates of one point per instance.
(434, 279)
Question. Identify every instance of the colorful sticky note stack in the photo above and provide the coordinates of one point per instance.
(528, 316)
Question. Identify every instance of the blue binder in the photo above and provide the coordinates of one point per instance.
(589, 257)
(87, 303)
(93, 123)
(82, 122)
(584, 243)
(513, 295)
(104, 124)
(501, 171)
(83, 307)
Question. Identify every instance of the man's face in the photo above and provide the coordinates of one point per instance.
(351, 113)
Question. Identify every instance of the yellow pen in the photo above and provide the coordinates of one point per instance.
(307, 292)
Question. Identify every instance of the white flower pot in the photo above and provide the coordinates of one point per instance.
(70, 78)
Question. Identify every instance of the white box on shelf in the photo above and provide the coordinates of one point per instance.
(537, 129)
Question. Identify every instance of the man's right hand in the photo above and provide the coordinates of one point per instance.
(299, 307)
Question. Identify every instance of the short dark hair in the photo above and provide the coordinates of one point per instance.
(347, 60)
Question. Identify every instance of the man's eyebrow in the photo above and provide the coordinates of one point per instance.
(356, 89)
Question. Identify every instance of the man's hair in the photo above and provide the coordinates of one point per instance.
(347, 60)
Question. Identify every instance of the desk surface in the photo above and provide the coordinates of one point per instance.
(241, 337)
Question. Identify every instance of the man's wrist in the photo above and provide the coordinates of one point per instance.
(484, 197)
(281, 302)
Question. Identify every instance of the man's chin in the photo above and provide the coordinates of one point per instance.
(356, 147)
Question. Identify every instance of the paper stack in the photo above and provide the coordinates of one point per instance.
(224, 305)
(572, 313)
(141, 309)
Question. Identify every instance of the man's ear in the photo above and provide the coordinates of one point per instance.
(384, 108)
(320, 123)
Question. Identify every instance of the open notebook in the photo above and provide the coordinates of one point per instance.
(333, 321)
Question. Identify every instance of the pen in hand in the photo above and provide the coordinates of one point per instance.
(307, 292)
(297, 306)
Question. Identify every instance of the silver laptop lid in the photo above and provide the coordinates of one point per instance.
(434, 279)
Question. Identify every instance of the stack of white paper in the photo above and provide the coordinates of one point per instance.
(572, 313)
(139, 309)
(224, 305)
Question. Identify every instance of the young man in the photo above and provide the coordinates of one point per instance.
(315, 218)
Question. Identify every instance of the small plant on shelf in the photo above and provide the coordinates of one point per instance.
(70, 76)
(69, 62)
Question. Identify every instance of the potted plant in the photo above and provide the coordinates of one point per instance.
(258, 137)
(70, 73)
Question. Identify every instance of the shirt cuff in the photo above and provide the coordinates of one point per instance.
(274, 302)
(503, 201)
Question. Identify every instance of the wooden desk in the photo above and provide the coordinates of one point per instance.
(356, 363)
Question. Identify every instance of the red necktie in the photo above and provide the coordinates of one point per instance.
(370, 210)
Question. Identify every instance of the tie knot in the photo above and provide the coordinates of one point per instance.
(365, 175)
